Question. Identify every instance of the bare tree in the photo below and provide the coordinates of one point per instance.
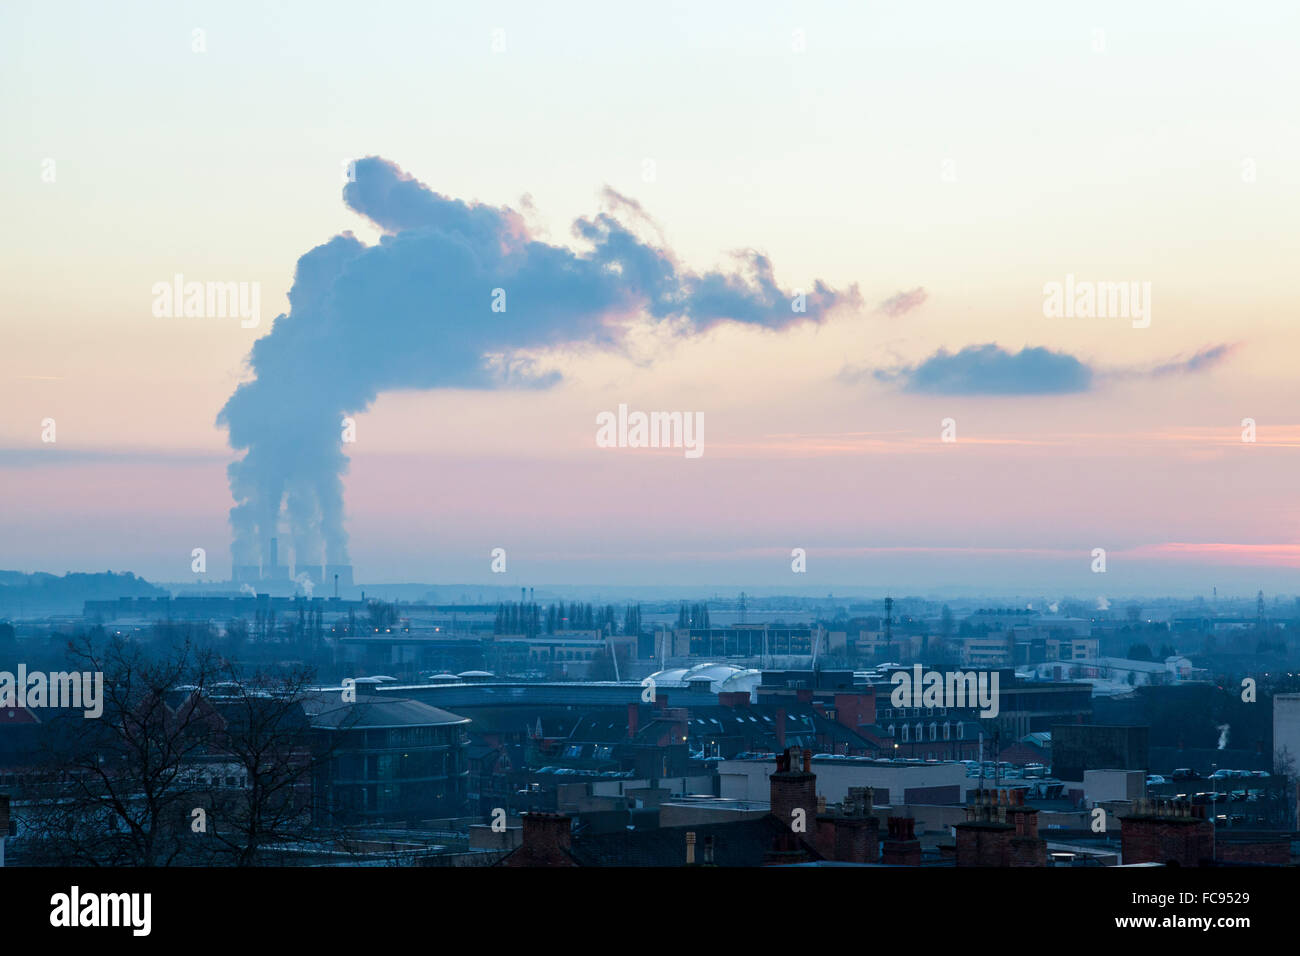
(265, 736)
(114, 789)
(193, 761)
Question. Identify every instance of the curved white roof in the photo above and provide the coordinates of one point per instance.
(723, 677)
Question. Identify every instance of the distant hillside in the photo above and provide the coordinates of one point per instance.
(41, 594)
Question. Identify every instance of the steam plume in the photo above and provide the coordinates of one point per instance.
(415, 312)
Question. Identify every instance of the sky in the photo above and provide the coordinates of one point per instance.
(938, 166)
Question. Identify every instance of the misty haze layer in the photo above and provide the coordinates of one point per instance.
(416, 312)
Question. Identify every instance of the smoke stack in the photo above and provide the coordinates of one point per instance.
(274, 571)
(342, 572)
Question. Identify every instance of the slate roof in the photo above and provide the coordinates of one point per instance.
(372, 712)
(737, 843)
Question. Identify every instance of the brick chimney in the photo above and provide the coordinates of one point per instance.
(547, 838)
(901, 847)
(547, 830)
(794, 789)
(851, 834)
(1172, 832)
(854, 710)
(633, 719)
(984, 838)
(1027, 847)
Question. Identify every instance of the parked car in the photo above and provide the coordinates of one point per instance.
(1185, 773)
(1154, 779)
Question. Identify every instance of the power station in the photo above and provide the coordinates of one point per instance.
(335, 578)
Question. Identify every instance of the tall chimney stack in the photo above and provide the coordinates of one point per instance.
(793, 789)
(343, 572)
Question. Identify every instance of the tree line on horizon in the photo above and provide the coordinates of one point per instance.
(531, 619)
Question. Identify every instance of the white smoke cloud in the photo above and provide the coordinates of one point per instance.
(416, 311)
